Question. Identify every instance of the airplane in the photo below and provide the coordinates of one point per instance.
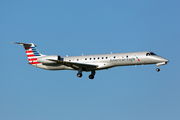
(90, 63)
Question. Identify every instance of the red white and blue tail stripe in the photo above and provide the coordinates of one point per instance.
(31, 52)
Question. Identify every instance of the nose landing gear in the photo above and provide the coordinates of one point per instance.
(157, 69)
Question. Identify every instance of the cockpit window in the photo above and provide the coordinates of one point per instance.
(149, 54)
(152, 53)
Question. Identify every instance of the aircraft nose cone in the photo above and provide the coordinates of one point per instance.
(166, 60)
(161, 59)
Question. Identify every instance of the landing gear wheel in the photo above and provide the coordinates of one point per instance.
(91, 76)
(79, 74)
(157, 69)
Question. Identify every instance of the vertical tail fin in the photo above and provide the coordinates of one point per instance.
(31, 52)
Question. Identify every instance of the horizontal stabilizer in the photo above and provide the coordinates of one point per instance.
(23, 44)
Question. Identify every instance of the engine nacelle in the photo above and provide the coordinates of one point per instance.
(45, 60)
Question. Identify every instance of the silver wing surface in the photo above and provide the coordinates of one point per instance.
(75, 65)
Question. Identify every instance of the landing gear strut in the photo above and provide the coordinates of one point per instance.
(91, 76)
(157, 69)
(79, 74)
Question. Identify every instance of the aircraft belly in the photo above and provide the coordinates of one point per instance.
(54, 67)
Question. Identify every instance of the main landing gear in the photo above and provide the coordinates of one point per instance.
(79, 74)
(91, 76)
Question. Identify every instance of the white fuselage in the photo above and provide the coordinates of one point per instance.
(89, 62)
(105, 61)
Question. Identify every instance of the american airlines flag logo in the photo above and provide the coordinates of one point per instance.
(32, 54)
(137, 58)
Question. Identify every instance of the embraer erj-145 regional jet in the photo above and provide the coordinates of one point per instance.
(90, 62)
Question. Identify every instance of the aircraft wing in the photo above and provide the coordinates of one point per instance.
(75, 65)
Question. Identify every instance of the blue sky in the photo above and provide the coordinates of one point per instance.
(90, 27)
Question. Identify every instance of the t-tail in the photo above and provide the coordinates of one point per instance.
(31, 52)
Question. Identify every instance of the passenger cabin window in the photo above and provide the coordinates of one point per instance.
(114, 56)
(106, 57)
(85, 58)
(98, 58)
(102, 57)
(77, 59)
(94, 58)
(90, 58)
